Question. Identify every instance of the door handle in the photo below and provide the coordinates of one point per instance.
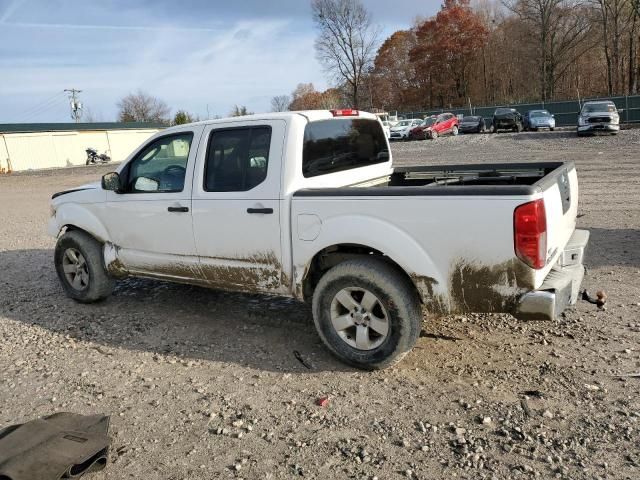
(260, 210)
(178, 209)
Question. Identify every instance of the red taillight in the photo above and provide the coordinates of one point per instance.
(530, 233)
(345, 112)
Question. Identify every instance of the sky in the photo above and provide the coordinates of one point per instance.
(193, 54)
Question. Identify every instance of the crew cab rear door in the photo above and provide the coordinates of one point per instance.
(236, 205)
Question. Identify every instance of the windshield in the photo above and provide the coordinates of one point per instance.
(429, 121)
(341, 144)
(403, 123)
(599, 107)
(502, 111)
(470, 119)
(539, 113)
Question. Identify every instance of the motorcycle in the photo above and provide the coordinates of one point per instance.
(94, 157)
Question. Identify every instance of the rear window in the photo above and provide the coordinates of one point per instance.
(335, 145)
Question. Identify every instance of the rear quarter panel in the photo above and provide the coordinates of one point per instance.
(458, 250)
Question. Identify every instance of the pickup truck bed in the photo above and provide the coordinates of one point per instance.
(465, 214)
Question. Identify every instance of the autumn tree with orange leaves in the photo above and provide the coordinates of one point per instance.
(394, 76)
(446, 49)
(306, 97)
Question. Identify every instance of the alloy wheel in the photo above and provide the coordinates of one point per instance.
(75, 268)
(359, 318)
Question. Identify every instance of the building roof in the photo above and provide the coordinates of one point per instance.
(63, 127)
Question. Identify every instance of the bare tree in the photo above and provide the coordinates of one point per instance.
(92, 117)
(346, 43)
(560, 27)
(142, 107)
(280, 103)
(615, 18)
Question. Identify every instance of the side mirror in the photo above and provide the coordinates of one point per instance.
(111, 182)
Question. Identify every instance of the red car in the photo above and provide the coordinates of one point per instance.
(420, 132)
(445, 123)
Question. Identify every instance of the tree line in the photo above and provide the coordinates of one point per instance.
(488, 52)
(142, 107)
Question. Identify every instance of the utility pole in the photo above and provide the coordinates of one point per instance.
(76, 105)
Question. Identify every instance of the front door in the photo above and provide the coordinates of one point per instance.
(150, 221)
(236, 206)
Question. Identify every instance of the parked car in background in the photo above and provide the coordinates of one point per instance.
(445, 123)
(401, 130)
(602, 116)
(535, 119)
(505, 118)
(420, 132)
(386, 127)
(472, 124)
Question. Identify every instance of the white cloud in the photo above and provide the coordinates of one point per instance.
(246, 63)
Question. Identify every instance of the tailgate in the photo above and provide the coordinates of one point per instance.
(560, 194)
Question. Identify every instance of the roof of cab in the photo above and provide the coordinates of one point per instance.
(310, 115)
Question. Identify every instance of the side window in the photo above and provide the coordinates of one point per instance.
(161, 166)
(237, 159)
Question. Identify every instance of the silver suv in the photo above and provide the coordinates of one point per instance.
(597, 116)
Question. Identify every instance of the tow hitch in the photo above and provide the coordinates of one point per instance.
(599, 301)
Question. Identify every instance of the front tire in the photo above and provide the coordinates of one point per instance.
(434, 135)
(454, 131)
(367, 313)
(80, 267)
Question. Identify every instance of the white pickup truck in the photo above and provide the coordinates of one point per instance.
(308, 205)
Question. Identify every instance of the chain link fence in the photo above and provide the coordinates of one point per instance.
(566, 112)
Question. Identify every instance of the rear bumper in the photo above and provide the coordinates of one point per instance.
(561, 287)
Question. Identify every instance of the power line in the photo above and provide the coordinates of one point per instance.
(54, 103)
(44, 108)
(43, 104)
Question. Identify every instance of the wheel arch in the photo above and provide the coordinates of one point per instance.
(76, 217)
(324, 259)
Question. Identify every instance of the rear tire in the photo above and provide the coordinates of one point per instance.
(80, 266)
(392, 313)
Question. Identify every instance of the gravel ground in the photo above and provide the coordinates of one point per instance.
(203, 384)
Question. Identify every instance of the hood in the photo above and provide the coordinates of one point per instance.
(89, 193)
(599, 114)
